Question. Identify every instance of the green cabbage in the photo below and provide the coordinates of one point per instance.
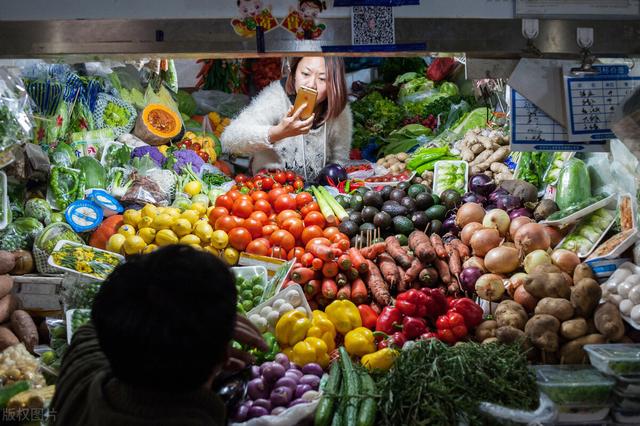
(38, 208)
(476, 118)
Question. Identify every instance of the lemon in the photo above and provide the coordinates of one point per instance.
(231, 255)
(210, 209)
(147, 234)
(145, 222)
(165, 237)
(149, 210)
(199, 207)
(115, 243)
(191, 215)
(150, 248)
(173, 212)
(196, 246)
(214, 251)
(134, 244)
(192, 188)
(189, 239)
(181, 227)
(127, 230)
(219, 239)
(163, 221)
(203, 230)
(132, 217)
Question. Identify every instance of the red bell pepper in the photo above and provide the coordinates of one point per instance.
(428, 335)
(413, 327)
(388, 320)
(413, 303)
(451, 327)
(436, 303)
(368, 316)
(396, 340)
(470, 310)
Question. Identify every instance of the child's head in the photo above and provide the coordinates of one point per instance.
(249, 8)
(311, 8)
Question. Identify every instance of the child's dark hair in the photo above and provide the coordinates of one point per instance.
(164, 319)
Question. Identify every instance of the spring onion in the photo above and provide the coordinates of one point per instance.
(325, 208)
(339, 211)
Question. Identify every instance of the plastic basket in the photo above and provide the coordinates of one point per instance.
(41, 258)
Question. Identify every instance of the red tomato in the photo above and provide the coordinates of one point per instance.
(298, 184)
(311, 207)
(216, 213)
(234, 194)
(294, 226)
(330, 232)
(290, 176)
(238, 220)
(275, 193)
(254, 226)
(315, 218)
(318, 240)
(285, 202)
(264, 241)
(276, 185)
(273, 218)
(242, 208)
(342, 244)
(302, 199)
(296, 252)
(241, 178)
(239, 238)
(288, 188)
(283, 239)
(266, 183)
(310, 232)
(258, 247)
(286, 214)
(259, 195)
(224, 201)
(260, 216)
(280, 177)
(263, 206)
(278, 252)
(225, 223)
(267, 230)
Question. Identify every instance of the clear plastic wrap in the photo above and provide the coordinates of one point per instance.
(226, 104)
(545, 413)
(16, 118)
(143, 191)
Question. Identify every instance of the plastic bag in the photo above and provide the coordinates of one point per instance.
(145, 191)
(31, 163)
(545, 413)
(16, 118)
(166, 181)
(290, 417)
(226, 104)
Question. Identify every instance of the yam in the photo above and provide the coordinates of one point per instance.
(25, 329)
(582, 271)
(585, 296)
(573, 352)
(508, 335)
(7, 338)
(510, 313)
(8, 304)
(6, 285)
(541, 285)
(572, 329)
(542, 330)
(486, 330)
(609, 322)
(7, 262)
(559, 308)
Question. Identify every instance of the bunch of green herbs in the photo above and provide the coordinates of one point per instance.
(373, 116)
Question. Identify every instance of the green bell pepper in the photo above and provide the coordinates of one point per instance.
(269, 355)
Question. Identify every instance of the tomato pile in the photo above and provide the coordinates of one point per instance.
(390, 177)
(267, 180)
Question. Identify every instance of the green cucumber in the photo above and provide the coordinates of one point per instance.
(324, 411)
(352, 386)
(367, 411)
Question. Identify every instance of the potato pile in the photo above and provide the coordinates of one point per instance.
(485, 150)
(556, 314)
(395, 163)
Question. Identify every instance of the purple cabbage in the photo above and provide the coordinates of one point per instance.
(153, 153)
(481, 184)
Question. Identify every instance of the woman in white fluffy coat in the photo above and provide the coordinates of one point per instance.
(274, 136)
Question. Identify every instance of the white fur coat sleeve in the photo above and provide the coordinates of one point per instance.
(339, 134)
(247, 133)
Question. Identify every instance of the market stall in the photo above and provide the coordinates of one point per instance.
(434, 248)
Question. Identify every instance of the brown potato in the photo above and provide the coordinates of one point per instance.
(573, 352)
(609, 322)
(486, 330)
(559, 308)
(572, 329)
(511, 313)
(585, 296)
(542, 330)
(543, 285)
(508, 334)
(582, 271)
(7, 262)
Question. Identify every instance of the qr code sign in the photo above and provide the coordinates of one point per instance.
(372, 25)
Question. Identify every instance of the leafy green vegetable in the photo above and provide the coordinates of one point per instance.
(117, 155)
(373, 116)
(214, 179)
(20, 234)
(419, 86)
(115, 115)
(532, 167)
(476, 118)
(186, 103)
(63, 155)
(93, 173)
(449, 89)
(574, 184)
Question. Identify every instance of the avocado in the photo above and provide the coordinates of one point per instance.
(394, 209)
(451, 198)
(348, 210)
(416, 189)
(423, 201)
(367, 227)
(362, 190)
(435, 227)
(382, 220)
(343, 200)
(368, 212)
(373, 198)
(402, 225)
(420, 220)
(349, 228)
(409, 204)
(436, 212)
(403, 185)
(436, 199)
(402, 239)
(386, 191)
(356, 202)
(397, 195)
(356, 217)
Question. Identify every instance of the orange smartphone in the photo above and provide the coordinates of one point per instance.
(308, 96)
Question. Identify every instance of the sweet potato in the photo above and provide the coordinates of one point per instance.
(438, 246)
(573, 352)
(582, 271)
(541, 285)
(508, 335)
(585, 296)
(8, 304)
(397, 252)
(25, 329)
(558, 307)
(7, 338)
(455, 263)
(377, 286)
(412, 273)
(486, 329)
(7, 262)
(371, 252)
(421, 246)
(6, 284)
(542, 330)
(389, 269)
(609, 322)
(510, 313)
(572, 329)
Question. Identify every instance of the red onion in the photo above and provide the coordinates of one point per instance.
(520, 212)
(449, 225)
(468, 278)
(508, 202)
(472, 197)
(481, 184)
(497, 193)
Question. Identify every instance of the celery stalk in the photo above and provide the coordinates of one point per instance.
(325, 208)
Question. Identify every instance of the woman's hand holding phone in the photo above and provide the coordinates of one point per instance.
(291, 125)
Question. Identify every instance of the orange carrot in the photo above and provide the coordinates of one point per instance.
(358, 260)
(359, 292)
(352, 274)
(341, 279)
(438, 245)
(312, 288)
(302, 275)
(455, 264)
(317, 264)
(329, 289)
(389, 269)
(375, 282)
(373, 251)
(412, 273)
(443, 270)
(344, 293)
(461, 248)
(344, 262)
(322, 252)
(397, 252)
(330, 269)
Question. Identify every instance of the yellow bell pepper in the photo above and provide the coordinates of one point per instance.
(292, 328)
(380, 360)
(323, 328)
(309, 350)
(360, 342)
(344, 315)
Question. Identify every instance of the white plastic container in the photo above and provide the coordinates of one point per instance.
(596, 244)
(440, 168)
(248, 273)
(628, 387)
(62, 243)
(567, 414)
(4, 214)
(69, 318)
(575, 217)
(286, 295)
(619, 359)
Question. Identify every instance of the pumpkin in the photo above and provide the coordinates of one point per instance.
(157, 124)
(107, 228)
